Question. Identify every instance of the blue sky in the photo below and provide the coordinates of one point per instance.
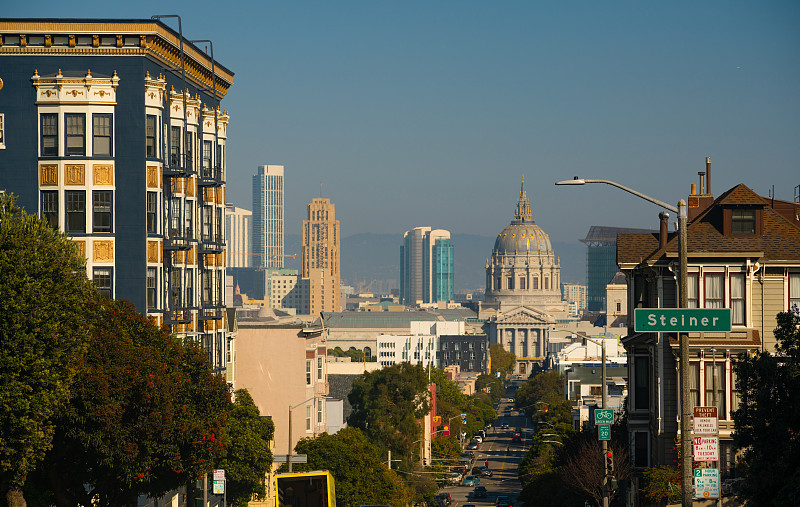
(428, 113)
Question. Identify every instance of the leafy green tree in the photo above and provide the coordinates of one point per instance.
(44, 293)
(360, 474)
(542, 396)
(388, 403)
(502, 360)
(662, 484)
(247, 457)
(146, 414)
(767, 423)
(493, 385)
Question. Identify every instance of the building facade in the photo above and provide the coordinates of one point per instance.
(743, 254)
(469, 351)
(426, 266)
(601, 262)
(239, 224)
(523, 291)
(320, 263)
(284, 365)
(575, 295)
(116, 137)
(268, 237)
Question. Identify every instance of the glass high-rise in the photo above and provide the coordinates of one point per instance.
(426, 266)
(268, 236)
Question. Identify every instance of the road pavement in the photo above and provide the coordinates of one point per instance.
(504, 457)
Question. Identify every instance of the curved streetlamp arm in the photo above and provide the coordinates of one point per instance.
(581, 181)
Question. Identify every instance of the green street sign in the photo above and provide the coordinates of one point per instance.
(604, 432)
(681, 320)
(603, 416)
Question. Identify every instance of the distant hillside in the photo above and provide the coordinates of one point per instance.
(371, 262)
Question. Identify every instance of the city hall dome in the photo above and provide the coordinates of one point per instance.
(523, 268)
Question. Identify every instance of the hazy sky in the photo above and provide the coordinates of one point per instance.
(428, 113)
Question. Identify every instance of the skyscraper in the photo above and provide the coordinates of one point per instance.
(601, 262)
(239, 223)
(426, 266)
(320, 262)
(268, 216)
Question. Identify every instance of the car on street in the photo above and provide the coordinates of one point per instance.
(478, 439)
(472, 446)
(502, 500)
(504, 427)
(479, 492)
(468, 505)
(471, 480)
(468, 454)
(485, 471)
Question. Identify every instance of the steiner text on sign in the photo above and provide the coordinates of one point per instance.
(681, 320)
(706, 448)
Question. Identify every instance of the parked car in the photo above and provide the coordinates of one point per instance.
(502, 500)
(471, 480)
(479, 492)
(472, 446)
(504, 427)
(486, 471)
(478, 439)
(468, 455)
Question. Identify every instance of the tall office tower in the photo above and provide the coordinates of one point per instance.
(426, 266)
(116, 138)
(321, 256)
(601, 262)
(268, 216)
(238, 223)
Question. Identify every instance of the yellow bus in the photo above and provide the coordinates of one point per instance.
(305, 489)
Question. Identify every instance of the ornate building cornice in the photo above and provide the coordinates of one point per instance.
(127, 38)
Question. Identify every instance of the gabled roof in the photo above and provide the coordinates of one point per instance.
(780, 239)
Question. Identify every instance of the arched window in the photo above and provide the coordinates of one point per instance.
(367, 352)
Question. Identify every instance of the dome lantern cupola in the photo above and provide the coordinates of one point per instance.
(523, 212)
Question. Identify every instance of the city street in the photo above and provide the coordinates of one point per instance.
(504, 464)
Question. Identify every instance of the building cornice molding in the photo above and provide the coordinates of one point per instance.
(156, 40)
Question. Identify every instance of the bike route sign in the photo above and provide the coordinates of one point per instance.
(604, 416)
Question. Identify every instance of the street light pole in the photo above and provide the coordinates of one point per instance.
(604, 443)
(289, 454)
(687, 476)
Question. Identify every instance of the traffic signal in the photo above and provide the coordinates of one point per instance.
(609, 462)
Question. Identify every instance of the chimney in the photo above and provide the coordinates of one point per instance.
(694, 188)
(702, 182)
(708, 175)
(663, 230)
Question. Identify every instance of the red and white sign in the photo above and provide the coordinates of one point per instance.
(705, 426)
(706, 448)
(219, 474)
(705, 421)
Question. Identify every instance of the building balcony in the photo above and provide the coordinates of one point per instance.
(211, 177)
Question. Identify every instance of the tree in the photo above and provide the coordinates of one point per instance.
(388, 403)
(503, 361)
(44, 293)
(767, 423)
(247, 457)
(543, 395)
(492, 384)
(360, 475)
(582, 463)
(146, 414)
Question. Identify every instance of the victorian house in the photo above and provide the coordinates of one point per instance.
(743, 254)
